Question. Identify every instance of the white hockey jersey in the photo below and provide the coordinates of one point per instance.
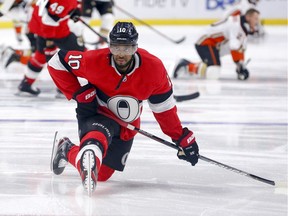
(228, 34)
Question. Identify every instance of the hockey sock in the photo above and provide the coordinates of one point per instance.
(105, 173)
(29, 80)
(192, 68)
(72, 154)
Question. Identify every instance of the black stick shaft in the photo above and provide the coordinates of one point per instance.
(174, 146)
(99, 35)
(180, 98)
(149, 26)
(236, 170)
(158, 139)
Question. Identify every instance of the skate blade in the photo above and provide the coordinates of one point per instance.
(89, 174)
(54, 149)
(25, 94)
(88, 163)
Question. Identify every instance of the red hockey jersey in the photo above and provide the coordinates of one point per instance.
(147, 81)
(50, 18)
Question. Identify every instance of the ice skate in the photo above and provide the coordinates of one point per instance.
(88, 171)
(59, 159)
(26, 89)
(8, 56)
(182, 65)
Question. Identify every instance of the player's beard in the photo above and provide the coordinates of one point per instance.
(122, 62)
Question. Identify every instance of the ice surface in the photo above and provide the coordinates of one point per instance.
(239, 123)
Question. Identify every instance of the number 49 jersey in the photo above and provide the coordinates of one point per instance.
(50, 18)
(147, 81)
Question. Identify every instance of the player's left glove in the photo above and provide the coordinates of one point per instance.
(242, 71)
(189, 148)
(86, 101)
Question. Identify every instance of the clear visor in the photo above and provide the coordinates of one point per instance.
(117, 49)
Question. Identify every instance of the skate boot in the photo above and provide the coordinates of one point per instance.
(26, 87)
(88, 170)
(8, 56)
(60, 160)
(182, 64)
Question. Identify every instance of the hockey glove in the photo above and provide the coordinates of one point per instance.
(242, 71)
(189, 149)
(86, 101)
(75, 15)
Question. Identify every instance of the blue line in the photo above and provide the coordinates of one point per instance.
(152, 122)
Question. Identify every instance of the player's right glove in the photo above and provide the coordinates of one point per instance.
(189, 149)
(242, 71)
(86, 101)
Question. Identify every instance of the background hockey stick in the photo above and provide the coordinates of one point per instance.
(149, 26)
(180, 98)
(174, 146)
(99, 35)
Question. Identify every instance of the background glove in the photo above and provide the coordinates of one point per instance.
(189, 148)
(242, 71)
(75, 15)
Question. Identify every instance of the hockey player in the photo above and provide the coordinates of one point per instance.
(221, 38)
(119, 78)
(49, 22)
(240, 8)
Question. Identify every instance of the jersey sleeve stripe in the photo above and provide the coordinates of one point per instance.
(166, 105)
(58, 63)
(62, 54)
(159, 98)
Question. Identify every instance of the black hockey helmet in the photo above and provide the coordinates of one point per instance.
(123, 33)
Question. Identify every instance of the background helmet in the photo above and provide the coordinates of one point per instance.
(123, 33)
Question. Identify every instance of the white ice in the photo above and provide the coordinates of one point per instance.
(239, 123)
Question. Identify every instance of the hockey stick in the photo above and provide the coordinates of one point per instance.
(172, 145)
(149, 26)
(99, 35)
(180, 98)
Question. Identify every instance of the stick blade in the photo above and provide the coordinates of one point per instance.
(180, 40)
(180, 98)
(54, 149)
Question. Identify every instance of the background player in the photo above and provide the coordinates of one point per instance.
(221, 38)
(50, 23)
